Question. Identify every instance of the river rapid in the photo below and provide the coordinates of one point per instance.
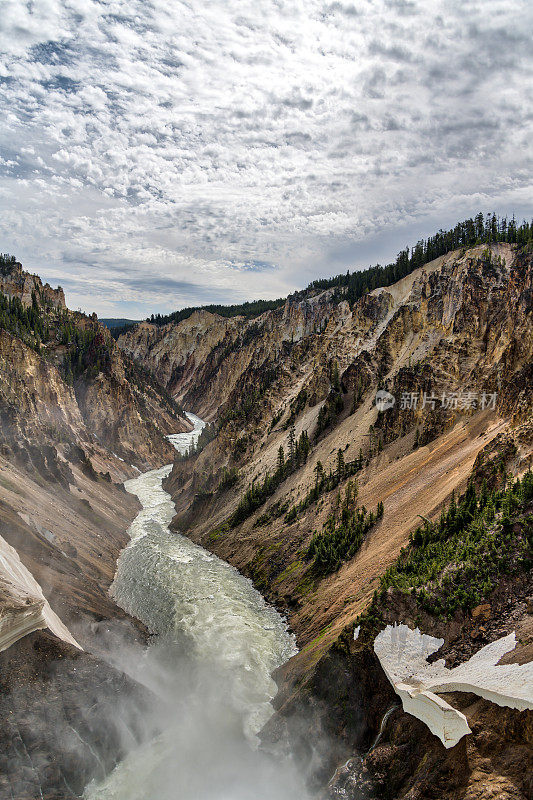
(217, 643)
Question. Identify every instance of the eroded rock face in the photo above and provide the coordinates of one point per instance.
(173, 353)
(461, 324)
(203, 358)
(65, 718)
(72, 383)
(38, 408)
(16, 282)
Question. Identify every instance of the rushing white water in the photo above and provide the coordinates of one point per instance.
(184, 441)
(218, 643)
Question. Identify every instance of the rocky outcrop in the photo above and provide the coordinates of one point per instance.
(63, 379)
(38, 407)
(66, 718)
(174, 353)
(379, 751)
(16, 282)
(203, 359)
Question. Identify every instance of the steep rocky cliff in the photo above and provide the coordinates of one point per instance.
(16, 282)
(476, 301)
(448, 342)
(73, 384)
(450, 346)
(77, 418)
(203, 359)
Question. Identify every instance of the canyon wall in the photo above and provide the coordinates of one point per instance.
(452, 343)
(77, 418)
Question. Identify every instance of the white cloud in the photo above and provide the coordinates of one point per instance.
(185, 138)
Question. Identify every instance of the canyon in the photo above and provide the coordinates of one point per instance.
(451, 343)
(460, 325)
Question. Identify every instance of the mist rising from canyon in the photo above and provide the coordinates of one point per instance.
(209, 668)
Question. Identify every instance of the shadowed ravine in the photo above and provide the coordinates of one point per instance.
(211, 663)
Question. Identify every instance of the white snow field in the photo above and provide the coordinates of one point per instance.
(403, 655)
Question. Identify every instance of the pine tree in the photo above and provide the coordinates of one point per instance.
(292, 446)
(303, 447)
(281, 460)
(340, 465)
(319, 476)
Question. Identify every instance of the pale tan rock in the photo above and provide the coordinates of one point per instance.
(481, 612)
(16, 282)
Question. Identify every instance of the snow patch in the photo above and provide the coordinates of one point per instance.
(403, 655)
(23, 606)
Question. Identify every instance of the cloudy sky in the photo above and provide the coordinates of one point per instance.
(159, 153)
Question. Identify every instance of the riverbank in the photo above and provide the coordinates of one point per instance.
(337, 684)
(210, 664)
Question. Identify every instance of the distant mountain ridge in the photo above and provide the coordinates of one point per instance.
(117, 322)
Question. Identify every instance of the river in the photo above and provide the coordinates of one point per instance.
(210, 664)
